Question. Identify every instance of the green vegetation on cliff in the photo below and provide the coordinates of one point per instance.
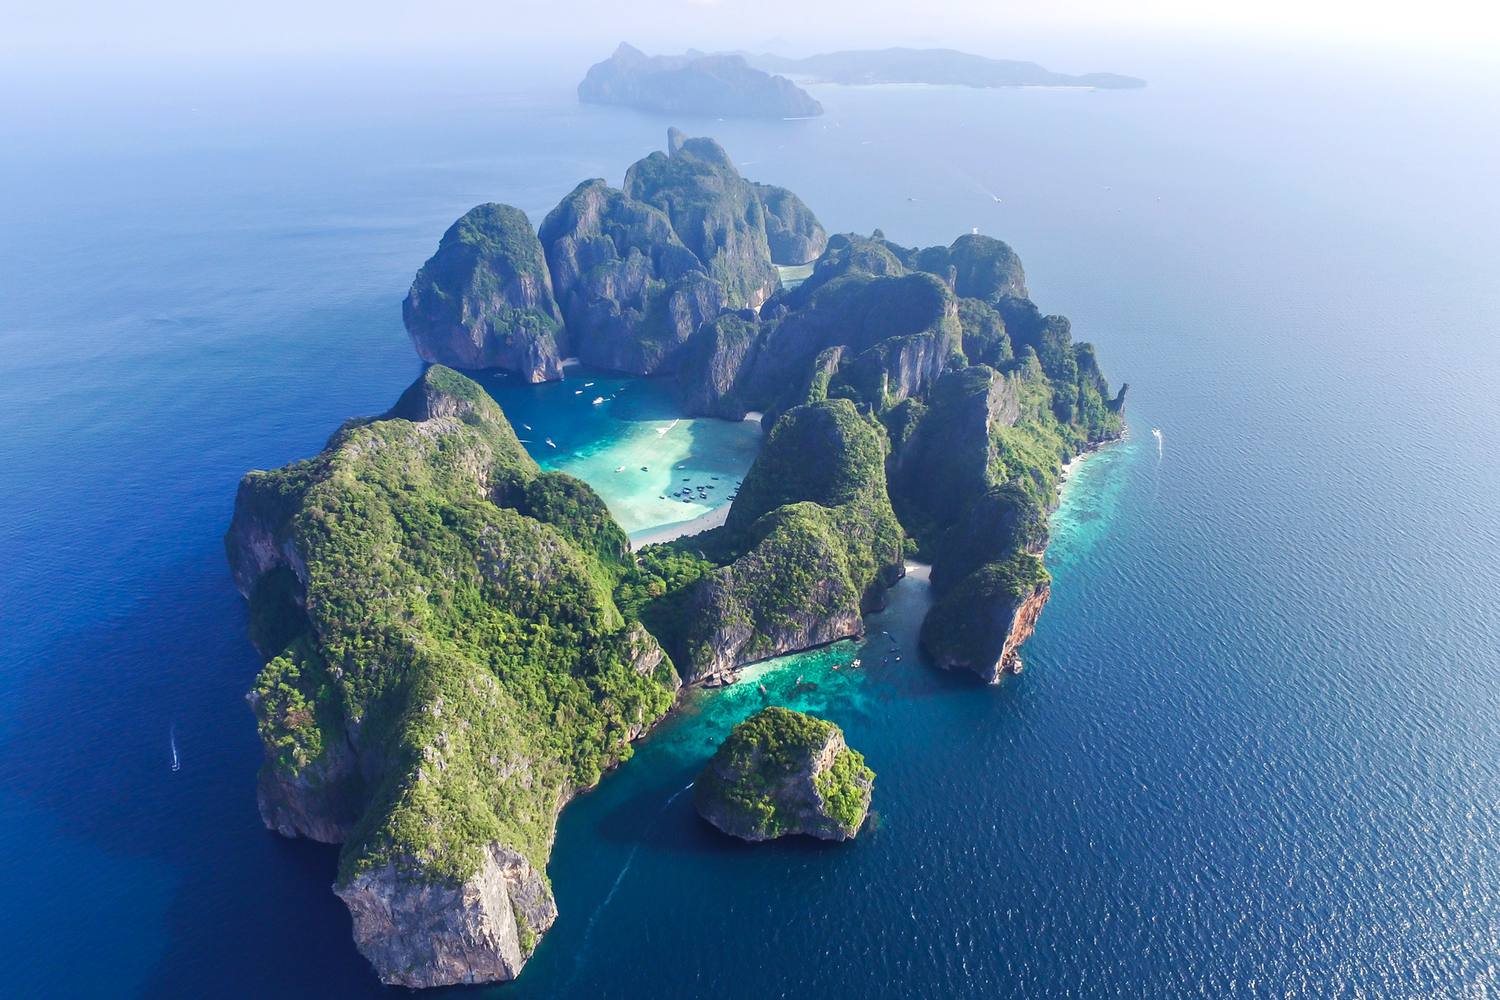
(469, 653)
(781, 772)
(484, 300)
(716, 212)
(810, 542)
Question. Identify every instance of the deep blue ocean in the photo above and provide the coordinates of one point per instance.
(1256, 748)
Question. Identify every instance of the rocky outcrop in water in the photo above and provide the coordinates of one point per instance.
(484, 300)
(697, 83)
(985, 618)
(782, 773)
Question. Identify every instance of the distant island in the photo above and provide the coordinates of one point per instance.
(744, 85)
(695, 83)
(935, 66)
(458, 642)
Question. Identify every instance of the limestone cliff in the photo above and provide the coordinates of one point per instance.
(631, 291)
(419, 933)
(484, 300)
(794, 233)
(446, 666)
(782, 773)
(810, 544)
(714, 211)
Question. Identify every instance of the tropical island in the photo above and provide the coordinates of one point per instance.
(458, 642)
(863, 67)
(718, 84)
(750, 85)
(782, 773)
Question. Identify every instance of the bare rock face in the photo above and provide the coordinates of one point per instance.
(418, 932)
(629, 289)
(717, 214)
(484, 300)
(322, 802)
(794, 233)
(980, 623)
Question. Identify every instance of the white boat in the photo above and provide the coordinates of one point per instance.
(598, 400)
(588, 385)
(551, 443)
(619, 468)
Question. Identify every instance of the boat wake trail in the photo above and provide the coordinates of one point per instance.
(588, 929)
(1156, 433)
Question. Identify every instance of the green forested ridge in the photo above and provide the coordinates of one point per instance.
(471, 654)
(812, 529)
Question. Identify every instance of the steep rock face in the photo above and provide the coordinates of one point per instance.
(981, 623)
(714, 211)
(714, 363)
(446, 666)
(322, 801)
(812, 543)
(418, 933)
(630, 290)
(697, 83)
(985, 339)
(781, 773)
(896, 334)
(771, 601)
(945, 463)
(794, 233)
(484, 300)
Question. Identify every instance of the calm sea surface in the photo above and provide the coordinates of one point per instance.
(1256, 748)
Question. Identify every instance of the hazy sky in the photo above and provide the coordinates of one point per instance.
(64, 29)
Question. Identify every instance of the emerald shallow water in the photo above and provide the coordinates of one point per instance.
(629, 440)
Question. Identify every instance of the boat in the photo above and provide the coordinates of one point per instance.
(588, 385)
(527, 426)
(619, 468)
(176, 761)
(598, 400)
(856, 662)
(578, 392)
(551, 443)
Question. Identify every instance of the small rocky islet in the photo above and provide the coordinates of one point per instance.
(782, 773)
(458, 642)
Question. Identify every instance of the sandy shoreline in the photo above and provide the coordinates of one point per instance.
(712, 519)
